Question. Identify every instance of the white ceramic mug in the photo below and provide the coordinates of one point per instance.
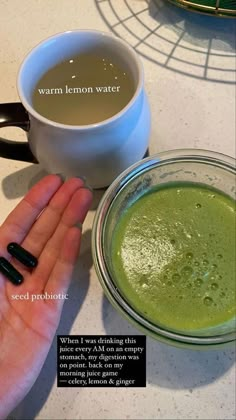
(100, 151)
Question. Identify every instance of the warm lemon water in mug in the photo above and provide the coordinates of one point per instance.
(85, 89)
(173, 256)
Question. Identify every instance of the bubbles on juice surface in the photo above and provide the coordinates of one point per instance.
(214, 286)
(198, 282)
(208, 301)
(176, 277)
(197, 277)
(189, 256)
(194, 275)
(143, 280)
(186, 271)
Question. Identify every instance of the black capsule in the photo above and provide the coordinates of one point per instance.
(10, 272)
(22, 255)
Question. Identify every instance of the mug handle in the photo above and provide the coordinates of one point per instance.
(14, 114)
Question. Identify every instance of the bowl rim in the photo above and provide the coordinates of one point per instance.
(158, 159)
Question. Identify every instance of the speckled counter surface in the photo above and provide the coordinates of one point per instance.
(189, 63)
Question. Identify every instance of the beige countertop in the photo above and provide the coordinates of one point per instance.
(189, 64)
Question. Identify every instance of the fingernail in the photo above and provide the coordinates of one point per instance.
(61, 176)
(87, 186)
(79, 225)
(83, 178)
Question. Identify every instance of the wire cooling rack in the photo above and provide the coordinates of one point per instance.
(192, 44)
(226, 8)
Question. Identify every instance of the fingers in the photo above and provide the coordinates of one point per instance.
(20, 220)
(55, 248)
(45, 226)
(57, 209)
(61, 274)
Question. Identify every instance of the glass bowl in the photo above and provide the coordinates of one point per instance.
(188, 165)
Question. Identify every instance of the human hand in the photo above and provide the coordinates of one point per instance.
(44, 223)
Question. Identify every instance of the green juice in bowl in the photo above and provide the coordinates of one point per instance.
(173, 257)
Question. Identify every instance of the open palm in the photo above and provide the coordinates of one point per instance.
(44, 223)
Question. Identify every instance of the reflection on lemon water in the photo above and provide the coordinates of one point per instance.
(84, 89)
